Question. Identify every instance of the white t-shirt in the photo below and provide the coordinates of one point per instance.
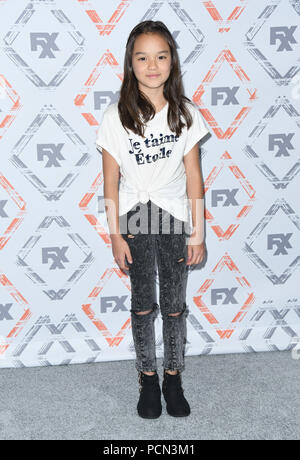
(151, 167)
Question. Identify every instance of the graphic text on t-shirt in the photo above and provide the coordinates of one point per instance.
(151, 141)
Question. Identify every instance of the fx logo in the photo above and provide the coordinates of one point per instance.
(101, 98)
(46, 41)
(226, 93)
(281, 241)
(283, 142)
(52, 151)
(113, 302)
(285, 35)
(225, 196)
(223, 293)
(4, 314)
(56, 254)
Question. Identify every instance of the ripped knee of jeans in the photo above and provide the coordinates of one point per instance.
(178, 314)
(146, 312)
(181, 260)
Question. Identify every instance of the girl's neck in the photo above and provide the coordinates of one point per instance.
(159, 105)
(157, 100)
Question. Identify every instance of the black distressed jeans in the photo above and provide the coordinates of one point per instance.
(155, 235)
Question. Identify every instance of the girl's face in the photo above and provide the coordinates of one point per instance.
(151, 61)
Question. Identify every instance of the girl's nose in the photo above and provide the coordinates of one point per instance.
(152, 63)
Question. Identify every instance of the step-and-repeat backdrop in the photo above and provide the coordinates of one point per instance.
(62, 298)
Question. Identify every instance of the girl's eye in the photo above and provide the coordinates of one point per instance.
(142, 58)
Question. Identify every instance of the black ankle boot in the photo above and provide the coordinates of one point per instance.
(177, 405)
(149, 405)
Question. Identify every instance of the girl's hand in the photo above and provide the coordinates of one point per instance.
(196, 253)
(120, 249)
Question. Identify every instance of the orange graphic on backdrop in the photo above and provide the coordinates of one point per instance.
(113, 341)
(5, 342)
(89, 215)
(225, 261)
(7, 93)
(108, 27)
(224, 56)
(224, 24)
(245, 185)
(17, 219)
(107, 59)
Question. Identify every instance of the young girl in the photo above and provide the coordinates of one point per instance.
(149, 144)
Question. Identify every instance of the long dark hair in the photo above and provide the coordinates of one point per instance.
(132, 101)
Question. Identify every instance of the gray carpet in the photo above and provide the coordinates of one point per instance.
(234, 397)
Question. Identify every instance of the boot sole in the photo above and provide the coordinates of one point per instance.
(149, 417)
(177, 415)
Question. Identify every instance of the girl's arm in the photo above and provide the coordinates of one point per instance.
(195, 194)
(111, 173)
